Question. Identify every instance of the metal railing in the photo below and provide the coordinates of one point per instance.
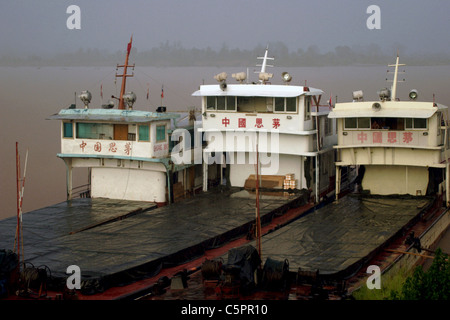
(83, 191)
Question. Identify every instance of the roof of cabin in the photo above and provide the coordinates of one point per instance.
(388, 109)
(256, 90)
(112, 115)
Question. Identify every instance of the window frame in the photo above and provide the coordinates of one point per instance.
(223, 108)
(209, 107)
(92, 125)
(413, 126)
(285, 104)
(165, 133)
(139, 132)
(357, 123)
(64, 130)
(307, 105)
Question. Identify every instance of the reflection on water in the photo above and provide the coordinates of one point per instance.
(28, 95)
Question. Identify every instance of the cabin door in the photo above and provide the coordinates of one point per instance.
(120, 132)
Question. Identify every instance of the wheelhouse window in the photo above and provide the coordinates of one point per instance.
(291, 104)
(397, 124)
(350, 123)
(357, 123)
(231, 103)
(279, 104)
(227, 103)
(160, 133)
(307, 107)
(210, 103)
(328, 126)
(415, 123)
(220, 103)
(363, 123)
(252, 104)
(285, 104)
(94, 131)
(144, 133)
(68, 130)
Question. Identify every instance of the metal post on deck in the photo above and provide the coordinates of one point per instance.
(338, 182)
(69, 178)
(169, 185)
(447, 184)
(205, 176)
(317, 178)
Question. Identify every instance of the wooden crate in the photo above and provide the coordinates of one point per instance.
(266, 181)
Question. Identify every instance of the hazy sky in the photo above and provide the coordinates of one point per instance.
(39, 27)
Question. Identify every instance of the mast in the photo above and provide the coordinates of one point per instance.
(124, 75)
(265, 58)
(18, 204)
(394, 82)
(20, 192)
(262, 74)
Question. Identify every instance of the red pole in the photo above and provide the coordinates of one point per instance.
(258, 220)
(124, 76)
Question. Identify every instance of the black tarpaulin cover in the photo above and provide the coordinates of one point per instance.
(338, 237)
(121, 251)
(244, 259)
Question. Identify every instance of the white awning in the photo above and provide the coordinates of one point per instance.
(395, 113)
(256, 90)
(386, 109)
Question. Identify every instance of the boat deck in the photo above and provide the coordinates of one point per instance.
(336, 240)
(339, 237)
(116, 242)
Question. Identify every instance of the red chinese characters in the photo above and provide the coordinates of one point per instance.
(225, 121)
(98, 147)
(157, 147)
(128, 148)
(83, 145)
(112, 147)
(275, 123)
(377, 137)
(392, 137)
(362, 137)
(259, 123)
(407, 137)
(242, 123)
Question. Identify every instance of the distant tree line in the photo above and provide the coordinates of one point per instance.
(175, 55)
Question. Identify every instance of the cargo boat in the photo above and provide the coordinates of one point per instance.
(131, 207)
(284, 124)
(393, 219)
